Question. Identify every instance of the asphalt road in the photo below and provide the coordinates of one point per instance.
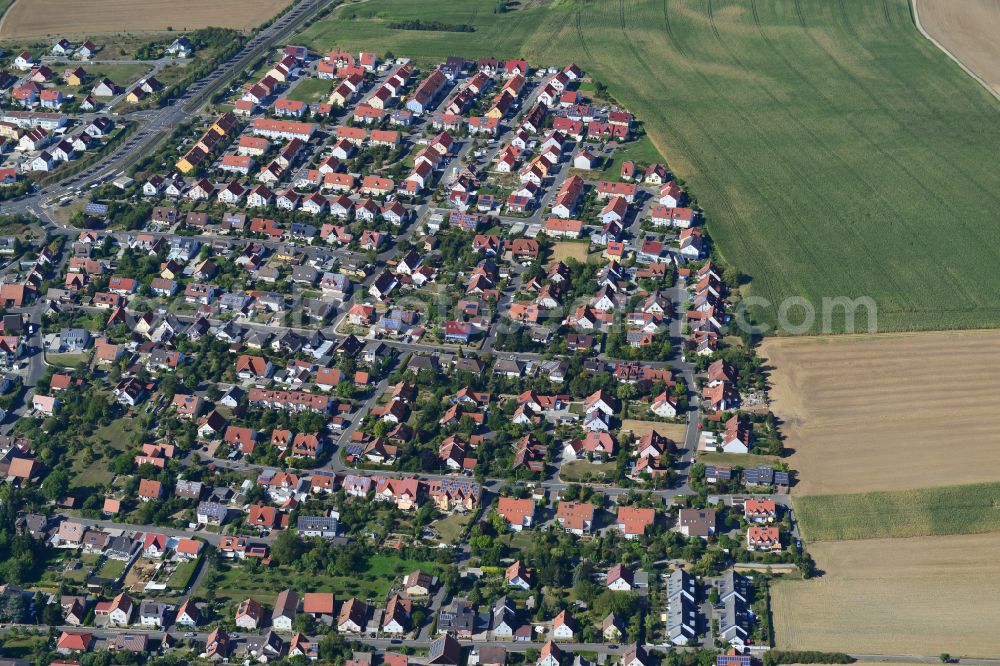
(389, 644)
(156, 125)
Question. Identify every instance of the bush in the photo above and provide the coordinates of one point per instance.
(417, 24)
(806, 657)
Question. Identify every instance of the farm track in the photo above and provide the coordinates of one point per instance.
(721, 201)
(904, 302)
(798, 13)
(711, 19)
(514, 27)
(583, 40)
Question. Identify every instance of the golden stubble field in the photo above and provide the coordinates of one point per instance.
(891, 412)
(919, 596)
(38, 18)
(970, 30)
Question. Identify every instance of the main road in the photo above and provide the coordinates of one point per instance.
(156, 125)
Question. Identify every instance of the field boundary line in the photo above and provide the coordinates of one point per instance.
(6, 13)
(920, 27)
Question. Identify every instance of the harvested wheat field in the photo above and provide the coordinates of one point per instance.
(970, 30)
(38, 18)
(891, 412)
(920, 596)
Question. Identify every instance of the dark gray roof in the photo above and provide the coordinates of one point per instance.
(759, 476)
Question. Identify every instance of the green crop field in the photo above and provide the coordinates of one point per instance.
(818, 135)
(967, 509)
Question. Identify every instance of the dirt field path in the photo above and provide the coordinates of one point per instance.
(968, 31)
(889, 412)
(39, 18)
(896, 596)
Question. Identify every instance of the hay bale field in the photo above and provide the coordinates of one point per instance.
(970, 30)
(39, 18)
(888, 412)
(895, 596)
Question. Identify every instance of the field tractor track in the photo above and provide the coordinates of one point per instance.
(711, 20)
(814, 143)
(799, 14)
(667, 28)
(815, 139)
(720, 200)
(583, 41)
(848, 26)
(886, 13)
(515, 25)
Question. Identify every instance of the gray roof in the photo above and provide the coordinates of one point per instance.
(506, 366)
(305, 273)
(682, 619)
(733, 584)
(680, 582)
(233, 300)
(759, 476)
(445, 650)
(213, 510)
(121, 544)
(457, 616)
(421, 362)
(734, 620)
(36, 523)
(316, 523)
(150, 608)
(188, 488)
(131, 642)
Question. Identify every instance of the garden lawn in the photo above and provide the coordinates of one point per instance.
(66, 360)
(116, 433)
(111, 569)
(584, 470)
(452, 527)
(372, 583)
(181, 576)
(311, 90)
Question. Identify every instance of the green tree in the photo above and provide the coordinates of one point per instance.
(287, 548)
(56, 485)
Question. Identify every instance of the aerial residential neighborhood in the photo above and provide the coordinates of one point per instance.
(389, 355)
(405, 330)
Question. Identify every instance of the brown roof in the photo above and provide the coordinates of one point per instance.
(318, 602)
